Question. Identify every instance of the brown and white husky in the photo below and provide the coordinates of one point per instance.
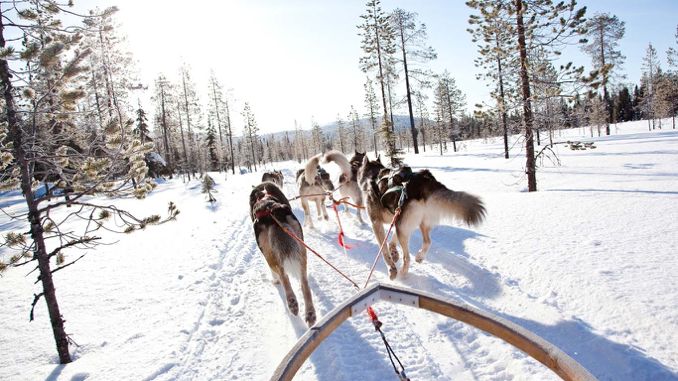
(348, 180)
(283, 253)
(313, 182)
(428, 204)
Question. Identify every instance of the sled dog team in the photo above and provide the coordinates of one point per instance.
(425, 203)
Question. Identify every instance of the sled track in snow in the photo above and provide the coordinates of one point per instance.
(208, 340)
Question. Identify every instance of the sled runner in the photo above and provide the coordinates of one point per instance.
(533, 345)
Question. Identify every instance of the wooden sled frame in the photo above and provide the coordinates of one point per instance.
(533, 345)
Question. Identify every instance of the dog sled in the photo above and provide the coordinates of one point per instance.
(533, 345)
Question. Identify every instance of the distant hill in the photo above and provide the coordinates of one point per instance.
(401, 122)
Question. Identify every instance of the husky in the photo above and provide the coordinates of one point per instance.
(427, 204)
(348, 180)
(276, 177)
(313, 180)
(283, 253)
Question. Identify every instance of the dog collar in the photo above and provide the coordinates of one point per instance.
(263, 213)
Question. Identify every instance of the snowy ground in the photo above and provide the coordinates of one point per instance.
(588, 263)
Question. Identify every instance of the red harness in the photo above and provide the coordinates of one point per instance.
(263, 212)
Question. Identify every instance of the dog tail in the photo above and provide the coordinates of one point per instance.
(460, 205)
(292, 255)
(341, 160)
(311, 170)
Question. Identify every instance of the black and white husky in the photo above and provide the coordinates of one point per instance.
(428, 204)
(348, 180)
(312, 183)
(283, 253)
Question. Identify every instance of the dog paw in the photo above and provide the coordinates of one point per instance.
(419, 258)
(395, 256)
(310, 317)
(293, 305)
(404, 271)
(392, 273)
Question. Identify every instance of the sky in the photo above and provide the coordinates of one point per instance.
(297, 60)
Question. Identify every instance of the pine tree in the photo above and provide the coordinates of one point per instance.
(45, 138)
(229, 133)
(371, 104)
(185, 151)
(412, 43)
(544, 24)
(357, 131)
(318, 137)
(141, 130)
(211, 141)
(162, 99)
(218, 110)
(190, 108)
(341, 134)
(651, 69)
(494, 34)
(625, 105)
(378, 44)
(208, 185)
(604, 32)
(449, 102)
(112, 66)
(546, 94)
(250, 132)
(672, 85)
(422, 110)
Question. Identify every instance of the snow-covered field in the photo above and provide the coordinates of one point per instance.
(588, 263)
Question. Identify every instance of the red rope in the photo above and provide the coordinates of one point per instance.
(312, 251)
(376, 258)
(345, 201)
(341, 228)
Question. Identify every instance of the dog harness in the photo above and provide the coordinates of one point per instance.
(395, 194)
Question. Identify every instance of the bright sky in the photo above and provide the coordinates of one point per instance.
(298, 59)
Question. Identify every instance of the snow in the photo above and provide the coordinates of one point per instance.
(588, 263)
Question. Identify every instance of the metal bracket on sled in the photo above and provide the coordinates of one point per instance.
(392, 296)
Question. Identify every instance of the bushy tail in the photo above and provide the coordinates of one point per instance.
(311, 170)
(291, 254)
(341, 160)
(464, 206)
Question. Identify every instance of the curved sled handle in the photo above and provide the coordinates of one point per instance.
(533, 345)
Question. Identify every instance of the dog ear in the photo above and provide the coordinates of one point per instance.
(365, 161)
(379, 158)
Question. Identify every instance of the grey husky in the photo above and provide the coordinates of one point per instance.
(283, 253)
(348, 180)
(313, 182)
(275, 176)
(428, 204)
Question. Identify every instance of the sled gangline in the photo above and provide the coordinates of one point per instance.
(533, 345)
